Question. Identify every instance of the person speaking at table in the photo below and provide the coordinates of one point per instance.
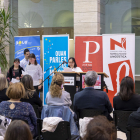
(72, 64)
(34, 70)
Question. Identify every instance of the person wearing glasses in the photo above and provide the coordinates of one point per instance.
(72, 64)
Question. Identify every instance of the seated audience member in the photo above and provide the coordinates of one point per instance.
(100, 128)
(30, 94)
(15, 71)
(91, 98)
(15, 109)
(3, 87)
(126, 99)
(56, 94)
(134, 119)
(18, 130)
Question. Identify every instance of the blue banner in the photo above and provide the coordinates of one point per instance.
(27, 42)
(56, 49)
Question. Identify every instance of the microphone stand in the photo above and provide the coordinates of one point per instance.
(50, 75)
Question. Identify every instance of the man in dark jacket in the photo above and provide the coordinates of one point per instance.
(91, 98)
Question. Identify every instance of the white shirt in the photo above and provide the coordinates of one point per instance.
(24, 63)
(36, 72)
(77, 69)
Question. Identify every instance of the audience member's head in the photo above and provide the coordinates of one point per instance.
(3, 82)
(32, 59)
(97, 133)
(16, 62)
(126, 88)
(90, 78)
(16, 91)
(100, 126)
(72, 63)
(55, 88)
(27, 82)
(18, 130)
(26, 54)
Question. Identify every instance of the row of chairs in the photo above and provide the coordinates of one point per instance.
(120, 119)
(63, 130)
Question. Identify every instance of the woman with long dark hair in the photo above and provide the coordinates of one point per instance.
(72, 64)
(127, 99)
(18, 130)
(30, 94)
(34, 70)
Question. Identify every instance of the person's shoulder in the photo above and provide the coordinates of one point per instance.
(79, 69)
(21, 61)
(79, 93)
(65, 92)
(136, 96)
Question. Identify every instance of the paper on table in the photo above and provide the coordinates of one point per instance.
(24, 73)
(15, 80)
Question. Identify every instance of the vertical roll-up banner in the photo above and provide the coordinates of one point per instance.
(27, 42)
(118, 60)
(55, 49)
(88, 53)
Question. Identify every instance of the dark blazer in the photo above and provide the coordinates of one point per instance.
(3, 96)
(134, 119)
(35, 100)
(10, 74)
(132, 104)
(91, 98)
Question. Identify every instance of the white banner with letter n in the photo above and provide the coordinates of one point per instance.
(118, 60)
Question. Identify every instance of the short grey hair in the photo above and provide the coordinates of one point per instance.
(90, 78)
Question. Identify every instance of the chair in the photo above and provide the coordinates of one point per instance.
(120, 118)
(62, 132)
(133, 133)
(37, 111)
(88, 113)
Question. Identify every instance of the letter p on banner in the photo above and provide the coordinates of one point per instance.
(88, 53)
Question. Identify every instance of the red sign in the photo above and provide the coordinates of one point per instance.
(118, 71)
(88, 53)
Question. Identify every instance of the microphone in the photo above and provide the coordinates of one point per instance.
(64, 62)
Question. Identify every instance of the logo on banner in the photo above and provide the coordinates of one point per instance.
(21, 42)
(118, 71)
(87, 50)
(118, 49)
(121, 44)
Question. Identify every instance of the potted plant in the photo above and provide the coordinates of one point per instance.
(5, 34)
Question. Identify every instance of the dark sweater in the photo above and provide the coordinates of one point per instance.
(132, 104)
(35, 100)
(3, 96)
(11, 74)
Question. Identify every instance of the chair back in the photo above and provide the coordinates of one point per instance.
(37, 112)
(133, 133)
(62, 132)
(121, 118)
(89, 113)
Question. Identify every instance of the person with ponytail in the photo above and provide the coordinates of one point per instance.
(56, 95)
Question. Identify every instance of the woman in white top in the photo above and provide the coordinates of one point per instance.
(34, 70)
(56, 95)
(73, 65)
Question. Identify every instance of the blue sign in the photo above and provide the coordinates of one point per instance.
(27, 42)
(55, 52)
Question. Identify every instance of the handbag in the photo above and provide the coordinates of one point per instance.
(4, 123)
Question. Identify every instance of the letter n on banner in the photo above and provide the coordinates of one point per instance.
(88, 53)
(118, 60)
